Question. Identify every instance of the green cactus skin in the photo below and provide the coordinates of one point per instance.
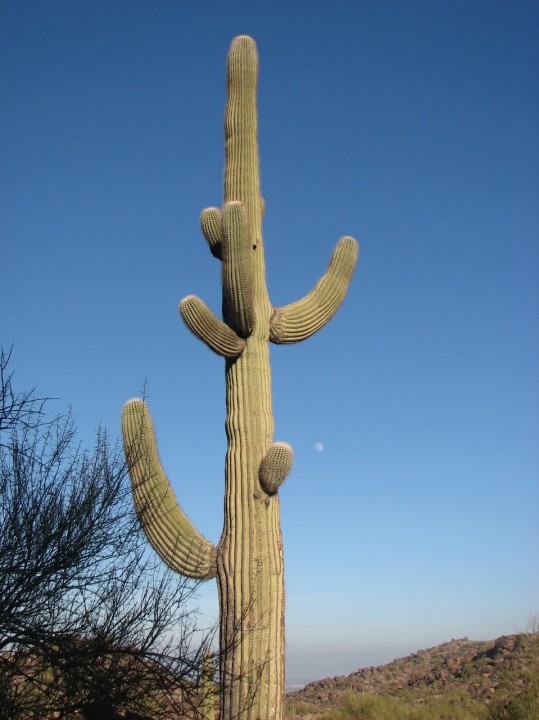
(208, 688)
(248, 560)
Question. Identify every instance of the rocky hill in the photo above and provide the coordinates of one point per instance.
(480, 670)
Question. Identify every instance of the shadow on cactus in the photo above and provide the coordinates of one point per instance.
(248, 559)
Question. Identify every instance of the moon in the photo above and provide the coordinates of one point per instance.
(319, 447)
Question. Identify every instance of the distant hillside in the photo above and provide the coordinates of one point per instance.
(479, 670)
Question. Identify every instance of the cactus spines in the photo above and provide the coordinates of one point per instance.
(248, 559)
(275, 467)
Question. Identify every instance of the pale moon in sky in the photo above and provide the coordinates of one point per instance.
(318, 447)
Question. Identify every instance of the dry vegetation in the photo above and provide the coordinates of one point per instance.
(460, 680)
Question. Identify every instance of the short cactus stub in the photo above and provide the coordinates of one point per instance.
(248, 559)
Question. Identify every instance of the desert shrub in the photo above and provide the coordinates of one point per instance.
(450, 706)
(356, 706)
(90, 622)
(453, 706)
(522, 707)
(297, 710)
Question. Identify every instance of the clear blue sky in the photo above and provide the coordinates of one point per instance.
(412, 125)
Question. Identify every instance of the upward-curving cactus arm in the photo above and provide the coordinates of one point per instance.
(228, 238)
(167, 527)
(217, 335)
(237, 270)
(301, 319)
(212, 228)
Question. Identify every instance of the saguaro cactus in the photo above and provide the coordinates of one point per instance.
(248, 559)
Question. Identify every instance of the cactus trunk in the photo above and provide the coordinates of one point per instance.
(248, 560)
(250, 571)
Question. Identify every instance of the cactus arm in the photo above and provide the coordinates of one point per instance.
(301, 319)
(237, 270)
(217, 335)
(275, 467)
(212, 229)
(208, 688)
(170, 532)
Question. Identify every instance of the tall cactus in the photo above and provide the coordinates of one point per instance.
(248, 559)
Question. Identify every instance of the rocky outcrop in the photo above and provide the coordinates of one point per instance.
(480, 669)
